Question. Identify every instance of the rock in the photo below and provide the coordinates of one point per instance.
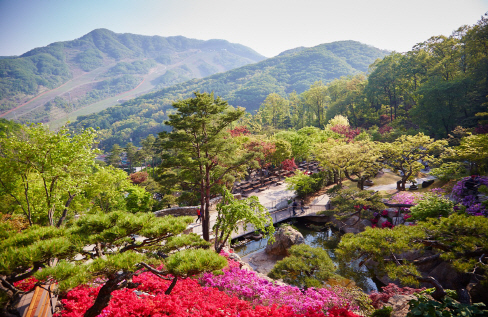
(392, 213)
(350, 230)
(263, 262)
(397, 220)
(235, 257)
(427, 183)
(399, 303)
(381, 221)
(363, 224)
(285, 237)
(352, 221)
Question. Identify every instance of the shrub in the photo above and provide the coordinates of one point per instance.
(379, 299)
(304, 267)
(432, 207)
(424, 306)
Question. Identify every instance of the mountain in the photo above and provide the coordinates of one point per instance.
(247, 86)
(97, 70)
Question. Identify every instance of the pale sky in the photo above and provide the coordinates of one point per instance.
(268, 27)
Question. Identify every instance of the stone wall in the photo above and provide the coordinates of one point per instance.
(178, 211)
(190, 210)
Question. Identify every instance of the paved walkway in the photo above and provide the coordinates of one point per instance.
(275, 199)
(394, 185)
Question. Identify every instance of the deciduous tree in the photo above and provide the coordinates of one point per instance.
(406, 152)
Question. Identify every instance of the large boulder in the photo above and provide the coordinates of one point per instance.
(400, 305)
(285, 237)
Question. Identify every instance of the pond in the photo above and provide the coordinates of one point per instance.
(317, 235)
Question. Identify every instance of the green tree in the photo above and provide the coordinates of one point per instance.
(474, 148)
(197, 151)
(359, 161)
(459, 240)
(316, 97)
(405, 153)
(114, 158)
(275, 111)
(304, 267)
(117, 255)
(148, 150)
(351, 202)
(233, 213)
(131, 152)
(44, 171)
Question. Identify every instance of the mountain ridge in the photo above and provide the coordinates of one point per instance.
(245, 86)
(46, 68)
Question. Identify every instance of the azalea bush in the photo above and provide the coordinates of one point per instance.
(247, 285)
(471, 204)
(236, 292)
(407, 198)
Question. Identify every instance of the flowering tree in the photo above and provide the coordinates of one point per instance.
(468, 199)
(346, 131)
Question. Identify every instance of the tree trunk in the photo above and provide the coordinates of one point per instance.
(105, 294)
(171, 286)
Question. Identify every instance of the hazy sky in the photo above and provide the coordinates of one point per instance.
(269, 27)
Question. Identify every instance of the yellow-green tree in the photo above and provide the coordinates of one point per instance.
(406, 153)
(359, 161)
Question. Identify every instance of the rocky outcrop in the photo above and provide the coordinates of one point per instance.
(285, 237)
(399, 303)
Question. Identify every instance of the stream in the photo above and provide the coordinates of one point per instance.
(316, 235)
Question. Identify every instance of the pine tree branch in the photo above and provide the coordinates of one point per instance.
(154, 271)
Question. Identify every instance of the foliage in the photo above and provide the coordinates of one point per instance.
(432, 207)
(359, 161)
(449, 170)
(447, 308)
(337, 120)
(346, 131)
(459, 239)
(45, 171)
(349, 202)
(383, 312)
(301, 183)
(196, 153)
(138, 200)
(474, 148)
(304, 267)
(138, 177)
(406, 152)
(232, 213)
(248, 286)
(379, 299)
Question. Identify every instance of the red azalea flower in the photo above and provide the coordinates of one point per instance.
(384, 213)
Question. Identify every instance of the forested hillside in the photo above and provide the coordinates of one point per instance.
(248, 86)
(104, 64)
